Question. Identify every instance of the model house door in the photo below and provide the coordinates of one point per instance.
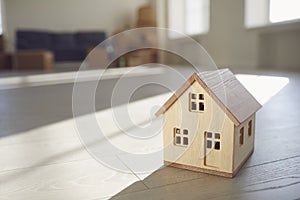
(212, 149)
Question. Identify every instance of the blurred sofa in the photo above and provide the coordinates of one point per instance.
(65, 46)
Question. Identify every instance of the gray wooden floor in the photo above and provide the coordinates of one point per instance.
(41, 156)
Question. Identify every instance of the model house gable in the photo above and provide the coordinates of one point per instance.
(225, 89)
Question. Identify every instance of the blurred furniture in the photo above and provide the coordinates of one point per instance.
(65, 46)
(140, 57)
(5, 61)
(2, 44)
(97, 57)
(146, 18)
(34, 60)
(134, 40)
(5, 58)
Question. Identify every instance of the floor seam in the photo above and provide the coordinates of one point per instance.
(132, 172)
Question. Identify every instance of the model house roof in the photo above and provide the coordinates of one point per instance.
(226, 90)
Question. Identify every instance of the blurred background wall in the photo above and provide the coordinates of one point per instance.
(230, 40)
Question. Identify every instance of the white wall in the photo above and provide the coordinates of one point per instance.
(3, 16)
(229, 43)
(280, 49)
(69, 15)
(256, 13)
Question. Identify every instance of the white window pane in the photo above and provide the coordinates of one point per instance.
(188, 16)
(1, 19)
(284, 10)
(193, 16)
(197, 16)
(256, 13)
(176, 16)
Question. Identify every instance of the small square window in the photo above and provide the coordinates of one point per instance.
(196, 103)
(194, 106)
(185, 131)
(208, 144)
(185, 141)
(193, 96)
(209, 135)
(201, 106)
(217, 145)
(177, 130)
(217, 136)
(201, 96)
(178, 140)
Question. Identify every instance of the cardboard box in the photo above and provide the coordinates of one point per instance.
(134, 59)
(5, 61)
(146, 23)
(34, 60)
(97, 58)
(146, 13)
(141, 57)
(2, 44)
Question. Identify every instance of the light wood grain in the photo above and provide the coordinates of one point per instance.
(55, 143)
(86, 179)
(241, 152)
(42, 153)
(275, 179)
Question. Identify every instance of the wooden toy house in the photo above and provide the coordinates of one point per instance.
(209, 124)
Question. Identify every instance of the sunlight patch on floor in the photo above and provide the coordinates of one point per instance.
(263, 88)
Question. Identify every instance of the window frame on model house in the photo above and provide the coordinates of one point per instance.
(213, 140)
(181, 137)
(241, 136)
(196, 102)
(250, 128)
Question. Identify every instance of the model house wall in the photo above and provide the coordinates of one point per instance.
(213, 120)
(243, 141)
